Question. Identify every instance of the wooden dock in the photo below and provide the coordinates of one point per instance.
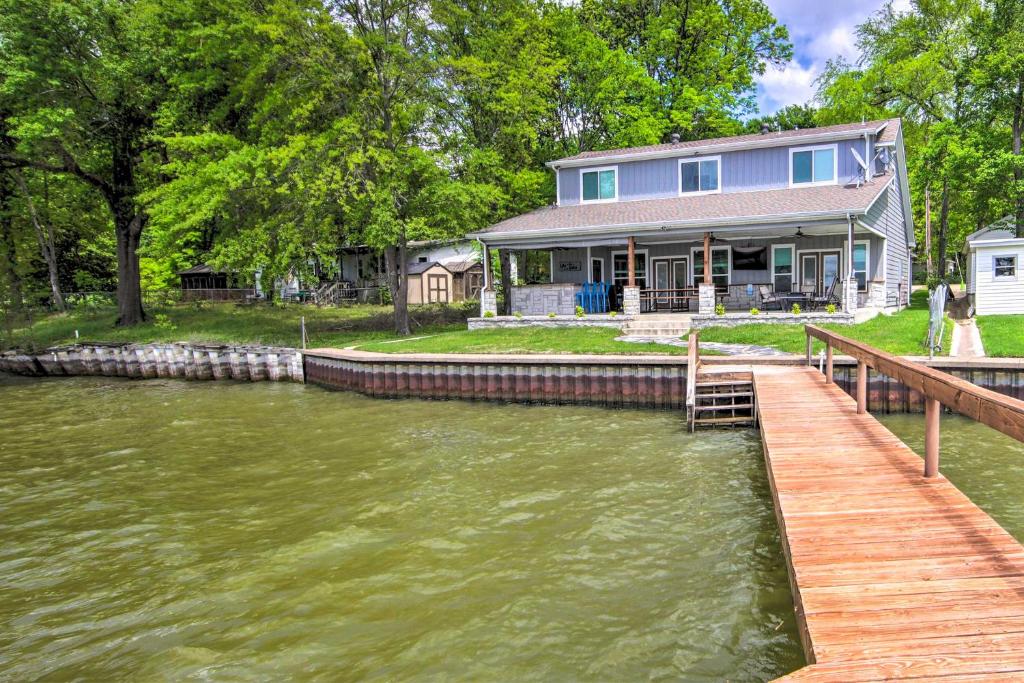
(894, 575)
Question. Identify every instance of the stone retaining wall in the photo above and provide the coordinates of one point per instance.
(186, 361)
(735, 319)
(590, 320)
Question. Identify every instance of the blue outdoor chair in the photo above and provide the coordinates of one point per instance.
(593, 297)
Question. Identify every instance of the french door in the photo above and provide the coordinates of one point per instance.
(818, 270)
(670, 274)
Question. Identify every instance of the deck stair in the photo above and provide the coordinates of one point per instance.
(723, 398)
(669, 325)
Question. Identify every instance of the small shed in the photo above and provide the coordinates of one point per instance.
(467, 279)
(995, 256)
(430, 283)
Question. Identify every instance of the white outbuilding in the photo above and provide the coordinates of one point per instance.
(995, 256)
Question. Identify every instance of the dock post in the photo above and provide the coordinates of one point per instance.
(932, 411)
(862, 387)
(828, 364)
(810, 345)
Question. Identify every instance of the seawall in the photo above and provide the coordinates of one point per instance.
(179, 360)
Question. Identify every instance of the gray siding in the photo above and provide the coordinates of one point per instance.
(886, 216)
(744, 171)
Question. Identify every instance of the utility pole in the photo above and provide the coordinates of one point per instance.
(928, 229)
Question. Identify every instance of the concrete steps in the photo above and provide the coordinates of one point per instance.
(652, 325)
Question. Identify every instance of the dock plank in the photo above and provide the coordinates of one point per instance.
(894, 576)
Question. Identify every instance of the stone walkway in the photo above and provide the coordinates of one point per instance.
(727, 349)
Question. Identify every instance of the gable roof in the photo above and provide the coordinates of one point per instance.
(886, 129)
(463, 266)
(821, 202)
(202, 269)
(420, 268)
(1003, 229)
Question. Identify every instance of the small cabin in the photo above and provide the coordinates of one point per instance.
(995, 256)
(430, 283)
(206, 283)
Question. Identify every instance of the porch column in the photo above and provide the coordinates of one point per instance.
(631, 293)
(850, 282)
(488, 295)
(706, 289)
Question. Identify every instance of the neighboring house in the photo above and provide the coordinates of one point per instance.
(454, 268)
(995, 256)
(789, 210)
(206, 283)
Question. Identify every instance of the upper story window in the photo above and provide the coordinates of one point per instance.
(813, 165)
(599, 184)
(700, 176)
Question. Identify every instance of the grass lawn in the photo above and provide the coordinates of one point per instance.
(1002, 335)
(598, 340)
(227, 323)
(901, 333)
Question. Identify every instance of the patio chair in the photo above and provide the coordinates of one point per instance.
(829, 297)
(768, 297)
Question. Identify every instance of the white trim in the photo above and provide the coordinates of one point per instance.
(1008, 242)
(867, 261)
(693, 261)
(770, 140)
(1006, 278)
(598, 170)
(551, 266)
(799, 272)
(647, 263)
(812, 149)
(676, 257)
(792, 263)
(696, 160)
(558, 187)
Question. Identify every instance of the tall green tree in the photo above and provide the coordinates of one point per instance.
(82, 81)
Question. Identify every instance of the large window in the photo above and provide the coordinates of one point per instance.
(599, 185)
(860, 265)
(700, 176)
(1004, 266)
(620, 268)
(813, 165)
(782, 267)
(719, 267)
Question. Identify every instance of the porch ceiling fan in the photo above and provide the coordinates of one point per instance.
(800, 232)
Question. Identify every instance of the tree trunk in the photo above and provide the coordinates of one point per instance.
(506, 281)
(1018, 173)
(8, 250)
(943, 232)
(129, 287)
(398, 284)
(47, 244)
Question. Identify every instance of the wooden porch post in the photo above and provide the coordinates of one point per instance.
(631, 249)
(932, 411)
(707, 258)
(862, 387)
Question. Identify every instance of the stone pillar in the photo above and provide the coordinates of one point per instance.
(706, 299)
(488, 302)
(631, 300)
(850, 295)
(876, 294)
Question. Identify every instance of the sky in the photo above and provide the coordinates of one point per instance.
(819, 30)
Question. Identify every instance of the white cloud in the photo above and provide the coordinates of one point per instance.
(841, 41)
(792, 84)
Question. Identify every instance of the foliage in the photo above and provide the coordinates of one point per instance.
(755, 311)
(488, 314)
(580, 312)
(830, 309)
(719, 309)
(795, 310)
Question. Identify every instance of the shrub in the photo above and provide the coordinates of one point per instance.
(163, 323)
(755, 311)
(551, 315)
(518, 315)
(830, 309)
(488, 314)
(613, 313)
(580, 312)
(796, 309)
(719, 309)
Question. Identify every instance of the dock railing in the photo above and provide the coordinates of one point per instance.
(1002, 413)
(692, 365)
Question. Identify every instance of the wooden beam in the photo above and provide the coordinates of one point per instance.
(1002, 413)
(631, 249)
(828, 364)
(862, 387)
(707, 258)
(932, 411)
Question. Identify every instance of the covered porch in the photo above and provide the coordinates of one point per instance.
(768, 267)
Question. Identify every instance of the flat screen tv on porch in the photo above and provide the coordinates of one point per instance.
(750, 258)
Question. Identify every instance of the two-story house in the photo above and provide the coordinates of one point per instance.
(776, 212)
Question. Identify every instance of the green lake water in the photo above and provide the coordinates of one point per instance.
(165, 530)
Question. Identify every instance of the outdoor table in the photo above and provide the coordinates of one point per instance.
(792, 298)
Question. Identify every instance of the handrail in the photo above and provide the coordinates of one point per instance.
(692, 365)
(1002, 413)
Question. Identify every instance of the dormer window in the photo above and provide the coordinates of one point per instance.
(700, 176)
(599, 184)
(813, 165)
